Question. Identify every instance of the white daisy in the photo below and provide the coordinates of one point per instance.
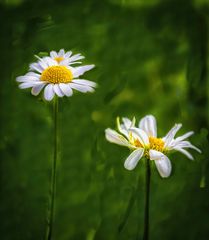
(56, 79)
(66, 58)
(146, 143)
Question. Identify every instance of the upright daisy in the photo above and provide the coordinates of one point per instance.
(55, 75)
(143, 141)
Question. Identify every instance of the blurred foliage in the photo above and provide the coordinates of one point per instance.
(151, 57)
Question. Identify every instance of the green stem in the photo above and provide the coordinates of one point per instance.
(147, 195)
(53, 174)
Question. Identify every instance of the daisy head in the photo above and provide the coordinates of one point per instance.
(145, 142)
(55, 77)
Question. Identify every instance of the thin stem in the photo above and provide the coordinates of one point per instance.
(53, 174)
(147, 194)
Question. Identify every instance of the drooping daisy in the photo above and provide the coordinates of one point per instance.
(66, 58)
(56, 78)
(144, 142)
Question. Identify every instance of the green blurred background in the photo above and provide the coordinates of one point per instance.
(151, 58)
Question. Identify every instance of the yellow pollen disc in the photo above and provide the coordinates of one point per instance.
(156, 144)
(57, 74)
(58, 59)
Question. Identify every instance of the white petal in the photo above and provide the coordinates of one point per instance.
(162, 163)
(58, 91)
(64, 62)
(26, 79)
(186, 135)
(155, 155)
(36, 67)
(133, 158)
(85, 82)
(37, 89)
(49, 61)
(141, 136)
(53, 54)
(76, 57)
(127, 122)
(185, 152)
(43, 63)
(61, 52)
(66, 89)
(171, 134)
(68, 54)
(77, 71)
(32, 74)
(186, 144)
(81, 88)
(49, 92)
(113, 137)
(28, 84)
(149, 125)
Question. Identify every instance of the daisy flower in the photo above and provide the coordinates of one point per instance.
(143, 141)
(55, 77)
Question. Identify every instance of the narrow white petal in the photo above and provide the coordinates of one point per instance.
(186, 135)
(149, 125)
(162, 163)
(141, 136)
(64, 62)
(76, 57)
(85, 82)
(155, 155)
(28, 84)
(32, 74)
(58, 91)
(114, 137)
(53, 54)
(49, 92)
(81, 88)
(185, 152)
(49, 61)
(26, 78)
(36, 67)
(68, 54)
(37, 89)
(133, 159)
(71, 63)
(186, 144)
(77, 71)
(66, 89)
(171, 134)
(61, 52)
(127, 122)
(43, 63)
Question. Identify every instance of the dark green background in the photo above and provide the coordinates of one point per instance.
(151, 58)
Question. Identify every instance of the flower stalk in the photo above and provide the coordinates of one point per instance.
(51, 209)
(147, 196)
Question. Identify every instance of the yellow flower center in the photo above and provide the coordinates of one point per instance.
(58, 59)
(156, 144)
(57, 74)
